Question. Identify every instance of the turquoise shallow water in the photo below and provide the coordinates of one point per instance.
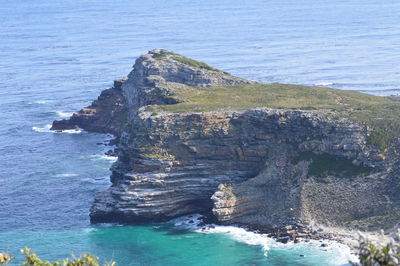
(56, 56)
(166, 244)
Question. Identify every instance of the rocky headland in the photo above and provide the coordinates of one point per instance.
(279, 158)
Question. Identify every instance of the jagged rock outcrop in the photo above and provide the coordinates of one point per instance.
(107, 114)
(157, 75)
(153, 80)
(263, 167)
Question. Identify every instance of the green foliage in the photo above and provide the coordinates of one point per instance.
(373, 255)
(383, 134)
(31, 259)
(324, 165)
(182, 59)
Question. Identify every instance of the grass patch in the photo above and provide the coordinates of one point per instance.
(324, 165)
(384, 133)
(182, 59)
(358, 106)
(380, 113)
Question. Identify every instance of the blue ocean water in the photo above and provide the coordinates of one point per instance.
(56, 57)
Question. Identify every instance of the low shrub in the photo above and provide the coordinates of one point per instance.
(374, 255)
(32, 259)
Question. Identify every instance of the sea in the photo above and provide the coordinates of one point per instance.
(57, 55)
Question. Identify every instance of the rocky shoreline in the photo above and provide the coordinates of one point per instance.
(287, 235)
(291, 173)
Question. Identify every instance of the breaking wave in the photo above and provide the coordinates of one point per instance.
(46, 129)
(64, 114)
(334, 252)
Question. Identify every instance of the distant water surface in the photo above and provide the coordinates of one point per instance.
(56, 56)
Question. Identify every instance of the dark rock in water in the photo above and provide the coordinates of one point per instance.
(64, 124)
(111, 153)
(113, 141)
(301, 255)
(191, 221)
(201, 218)
(324, 245)
(283, 240)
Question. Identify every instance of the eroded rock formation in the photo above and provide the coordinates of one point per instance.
(264, 167)
(107, 114)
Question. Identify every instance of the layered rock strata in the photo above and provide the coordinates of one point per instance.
(265, 168)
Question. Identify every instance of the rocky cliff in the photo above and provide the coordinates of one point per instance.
(261, 155)
(107, 114)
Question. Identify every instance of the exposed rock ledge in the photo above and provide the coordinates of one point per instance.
(265, 168)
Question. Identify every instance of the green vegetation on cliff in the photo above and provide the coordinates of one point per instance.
(380, 113)
(324, 165)
(280, 96)
(183, 59)
(385, 130)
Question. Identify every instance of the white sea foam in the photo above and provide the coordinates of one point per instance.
(46, 129)
(43, 101)
(70, 131)
(104, 157)
(324, 84)
(335, 252)
(64, 114)
(65, 175)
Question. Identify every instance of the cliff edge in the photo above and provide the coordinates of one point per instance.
(194, 139)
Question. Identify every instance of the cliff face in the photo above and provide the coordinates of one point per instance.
(247, 167)
(261, 167)
(154, 79)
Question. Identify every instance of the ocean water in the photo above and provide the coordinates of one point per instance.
(56, 57)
